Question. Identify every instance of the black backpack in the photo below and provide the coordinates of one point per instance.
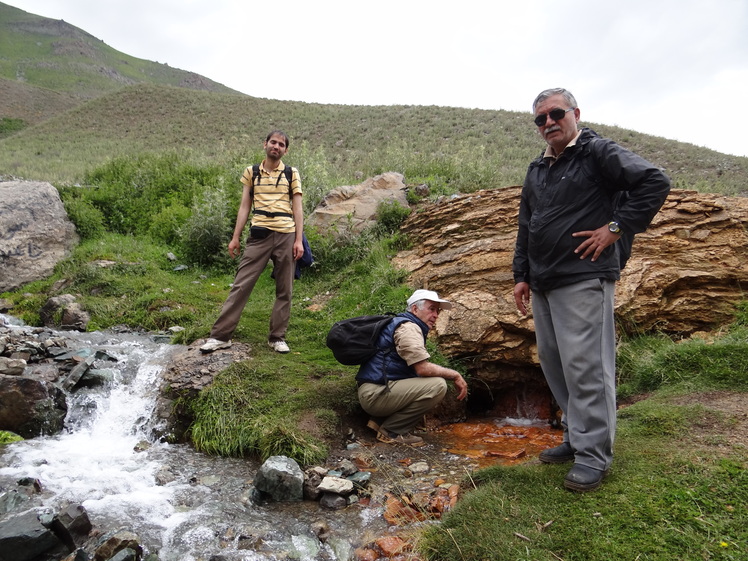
(354, 341)
(307, 259)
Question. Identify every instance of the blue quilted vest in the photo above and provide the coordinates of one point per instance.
(386, 364)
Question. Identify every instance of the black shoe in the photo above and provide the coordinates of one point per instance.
(582, 478)
(558, 455)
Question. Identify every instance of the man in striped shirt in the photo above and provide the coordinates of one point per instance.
(276, 233)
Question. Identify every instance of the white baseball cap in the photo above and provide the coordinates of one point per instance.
(421, 294)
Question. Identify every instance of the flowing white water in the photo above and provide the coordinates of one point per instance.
(204, 510)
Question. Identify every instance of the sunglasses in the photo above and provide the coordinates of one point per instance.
(555, 114)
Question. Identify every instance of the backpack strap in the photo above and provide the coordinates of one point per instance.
(287, 171)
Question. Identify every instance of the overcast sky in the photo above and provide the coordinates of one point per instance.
(672, 68)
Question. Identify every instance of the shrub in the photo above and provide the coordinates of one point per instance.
(88, 220)
(390, 216)
(10, 126)
(166, 223)
(206, 232)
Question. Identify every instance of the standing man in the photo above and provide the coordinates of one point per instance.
(399, 385)
(276, 234)
(571, 215)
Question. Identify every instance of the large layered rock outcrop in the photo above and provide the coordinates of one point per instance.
(685, 275)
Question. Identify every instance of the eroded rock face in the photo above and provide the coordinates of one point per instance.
(35, 232)
(685, 274)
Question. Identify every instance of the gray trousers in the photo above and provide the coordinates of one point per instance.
(278, 248)
(406, 402)
(575, 331)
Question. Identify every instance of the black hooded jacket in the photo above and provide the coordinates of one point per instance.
(591, 183)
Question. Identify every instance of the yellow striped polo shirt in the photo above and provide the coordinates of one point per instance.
(271, 196)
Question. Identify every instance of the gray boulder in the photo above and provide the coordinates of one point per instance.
(280, 479)
(35, 232)
(24, 537)
(31, 407)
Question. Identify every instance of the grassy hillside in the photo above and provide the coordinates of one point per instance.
(468, 148)
(69, 103)
(48, 66)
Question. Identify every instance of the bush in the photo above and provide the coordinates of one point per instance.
(130, 190)
(165, 224)
(10, 126)
(206, 232)
(88, 220)
(390, 216)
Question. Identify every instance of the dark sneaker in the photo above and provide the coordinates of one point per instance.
(394, 438)
(214, 344)
(558, 455)
(582, 478)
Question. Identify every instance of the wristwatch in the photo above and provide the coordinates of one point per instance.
(615, 227)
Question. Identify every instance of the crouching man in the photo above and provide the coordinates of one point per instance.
(398, 385)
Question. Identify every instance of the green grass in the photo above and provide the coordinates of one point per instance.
(668, 496)
(662, 501)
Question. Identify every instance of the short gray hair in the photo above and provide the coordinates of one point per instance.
(545, 94)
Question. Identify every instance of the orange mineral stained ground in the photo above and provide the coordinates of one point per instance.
(492, 441)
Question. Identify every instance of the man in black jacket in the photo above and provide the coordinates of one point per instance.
(579, 198)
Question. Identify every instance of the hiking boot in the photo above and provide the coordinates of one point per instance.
(214, 344)
(559, 455)
(279, 346)
(394, 438)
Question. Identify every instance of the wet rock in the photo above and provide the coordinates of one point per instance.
(23, 538)
(360, 479)
(392, 545)
(280, 479)
(321, 529)
(332, 501)
(312, 479)
(112, 544)
(11, 500)
(126, 554)
(78, 555)
(74, 519)
(31, 407)
(342, 549)
(64, 312)
(347, 468)
(12, 366)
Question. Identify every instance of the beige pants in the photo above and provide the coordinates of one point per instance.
(278, 248)
(405, 404)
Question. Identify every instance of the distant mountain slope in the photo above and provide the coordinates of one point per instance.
(33, 105)
(60, 57)
(475, 147)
